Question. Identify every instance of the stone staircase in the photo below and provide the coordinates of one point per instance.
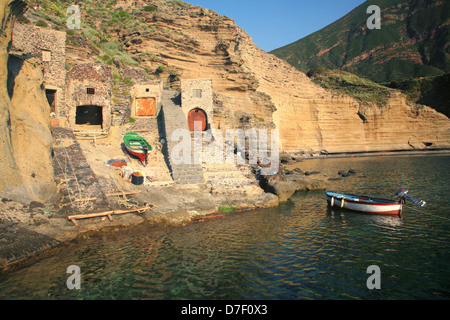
(172, 118)
(230, 179)
(73, 174)
(221, 178)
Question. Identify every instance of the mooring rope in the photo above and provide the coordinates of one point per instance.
(417, 210)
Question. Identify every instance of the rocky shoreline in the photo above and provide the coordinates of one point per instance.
(325, 155)
(26, 231)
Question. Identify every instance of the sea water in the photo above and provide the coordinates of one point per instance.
(299, 250)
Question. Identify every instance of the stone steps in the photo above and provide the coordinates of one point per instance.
(73, 174)
(222, 178)
(230, 179)
(173, 119)
(224, 174)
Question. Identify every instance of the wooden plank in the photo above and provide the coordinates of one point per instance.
(85, 199)
(106, 213)
(132, 210)
(89, 215)
(122, 193)
(89, 132)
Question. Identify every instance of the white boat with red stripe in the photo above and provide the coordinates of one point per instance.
(370, 205)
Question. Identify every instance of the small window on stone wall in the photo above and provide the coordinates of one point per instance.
(90, 91)
(46, 55)
(197, 93)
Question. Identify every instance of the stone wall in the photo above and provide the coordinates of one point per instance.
(79, 79)
(49, 46)
(203, 99)
(150, 89)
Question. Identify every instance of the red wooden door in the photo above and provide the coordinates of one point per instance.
(145, 107)
(197, 115)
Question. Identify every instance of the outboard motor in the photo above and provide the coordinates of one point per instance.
(145, 149)
(403, 194)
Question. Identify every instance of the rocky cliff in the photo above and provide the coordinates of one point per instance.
(311, 118)
(255, 88)
(26, 173)
(171, 40)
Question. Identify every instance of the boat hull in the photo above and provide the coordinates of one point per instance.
(137, 146)
(139, 154)
(364, 204)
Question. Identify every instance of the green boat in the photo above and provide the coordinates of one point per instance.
(137, 146)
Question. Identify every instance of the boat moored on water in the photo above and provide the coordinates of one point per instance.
(370, 205)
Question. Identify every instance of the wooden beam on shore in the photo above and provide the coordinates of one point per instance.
(122, 193)
(108, 214)
(109, 195)
(85, 199)
(90, 132)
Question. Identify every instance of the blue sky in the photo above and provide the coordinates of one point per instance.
(276, 23)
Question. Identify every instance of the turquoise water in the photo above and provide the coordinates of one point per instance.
(299, 250)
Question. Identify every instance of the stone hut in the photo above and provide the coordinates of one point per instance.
(50, 47)
(146, 99)
(88, 103)
(197, 102)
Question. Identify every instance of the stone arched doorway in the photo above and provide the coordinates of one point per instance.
(197, 115)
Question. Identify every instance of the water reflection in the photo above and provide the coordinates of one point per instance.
(368, 219)
(302, 249)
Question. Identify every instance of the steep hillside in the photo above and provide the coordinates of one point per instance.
(430, 91)
(413, 42)
(172, 40)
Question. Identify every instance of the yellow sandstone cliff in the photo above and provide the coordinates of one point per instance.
(193, 42)
(252, 89)
(26, 173)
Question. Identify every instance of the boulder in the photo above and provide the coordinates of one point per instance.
(285, 186)
(283, 189)
(286, 158)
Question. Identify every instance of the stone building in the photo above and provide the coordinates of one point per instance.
(82, 96)
(88, 101)
(197, 102)
(146, 99)
(50, 47)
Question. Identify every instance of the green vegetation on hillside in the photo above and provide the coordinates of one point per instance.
(100, 21)
(412, 42)
(343, 82)
(431, 91)
(106, 26)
